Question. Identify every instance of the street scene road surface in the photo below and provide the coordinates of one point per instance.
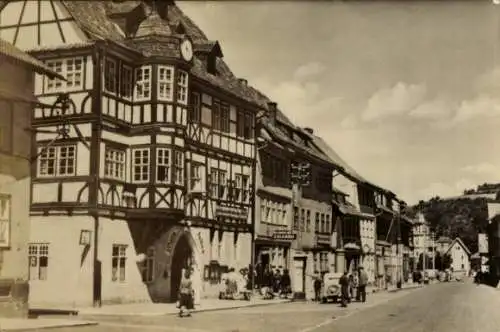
(444, 307)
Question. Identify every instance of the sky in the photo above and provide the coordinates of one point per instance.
(407, 93)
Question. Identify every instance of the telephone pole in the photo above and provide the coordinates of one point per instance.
(300, 176)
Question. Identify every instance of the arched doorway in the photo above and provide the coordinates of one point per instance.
(181, 260)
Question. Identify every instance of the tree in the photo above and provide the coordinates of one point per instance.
(447, 261)
(461, 217)
(428, 262)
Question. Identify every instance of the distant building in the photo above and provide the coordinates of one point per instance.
(17, 70)
(442, 244)
(461, 257)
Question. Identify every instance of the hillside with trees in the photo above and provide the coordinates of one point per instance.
(463, 216)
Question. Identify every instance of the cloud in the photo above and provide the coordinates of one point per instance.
(301, 97)
(436, 109)
(482, 168)
(349, 122)
(445, 190)
(482, 106)
(310, 69)
(398, 100)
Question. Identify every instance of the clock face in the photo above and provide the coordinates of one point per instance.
(187, 50)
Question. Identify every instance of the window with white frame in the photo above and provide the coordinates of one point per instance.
(218, 183)
(5, 215)
(140, 165)
(114, 164)
(38, 256)
(162, 165)
(165, 83)
(149, 266)
(74, 73)
(263, 211)
(118, 262)
(143, 83)
(110, 76)
(244, 186)
(195, 176)
(178, 167)
(55, 84)
(71, 69)
(182, 87)
(57, 160)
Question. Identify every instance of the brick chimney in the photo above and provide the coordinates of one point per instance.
(272, 109)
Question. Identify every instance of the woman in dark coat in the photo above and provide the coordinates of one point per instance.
(344, 289)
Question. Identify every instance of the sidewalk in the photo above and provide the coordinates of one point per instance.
(393, 288)
(25, 324)
(159, 309)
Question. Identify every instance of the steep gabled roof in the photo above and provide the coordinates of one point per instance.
(461, 243)
(14, 54)
(281, 137)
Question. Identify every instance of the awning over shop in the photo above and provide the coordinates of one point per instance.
(351, 246)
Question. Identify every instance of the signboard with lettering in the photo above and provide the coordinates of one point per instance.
(231, 212)
(284, 235)
(482, 243)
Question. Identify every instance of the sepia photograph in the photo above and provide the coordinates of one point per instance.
(240, 166)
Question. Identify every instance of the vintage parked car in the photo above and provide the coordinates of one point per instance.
(330, 290)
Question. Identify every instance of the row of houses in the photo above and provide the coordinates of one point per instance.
(149, 156)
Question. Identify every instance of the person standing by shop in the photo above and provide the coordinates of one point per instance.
(362, 282)
(186, 294)
(344, 289)
(317, 288)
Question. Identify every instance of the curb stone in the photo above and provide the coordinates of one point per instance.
(72, 324)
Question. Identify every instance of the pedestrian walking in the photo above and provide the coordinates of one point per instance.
(350, 287)
(363, 281)
(186, 294)
(317, 288)
(344, 289)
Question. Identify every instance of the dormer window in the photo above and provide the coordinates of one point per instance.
(208, 52)
(212, 64)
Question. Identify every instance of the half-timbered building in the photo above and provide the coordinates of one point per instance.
(146, 154)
